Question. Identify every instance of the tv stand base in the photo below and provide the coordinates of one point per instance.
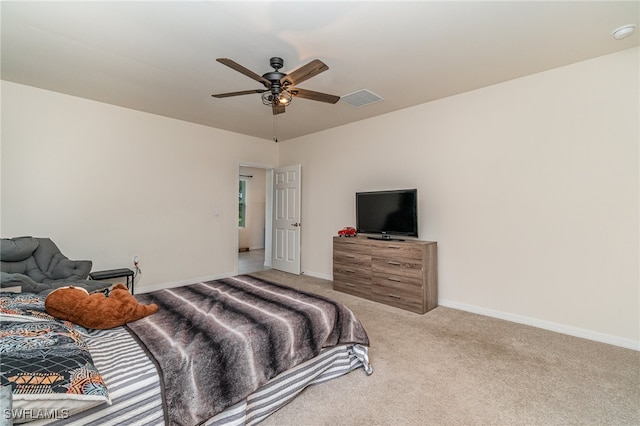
(385, 238)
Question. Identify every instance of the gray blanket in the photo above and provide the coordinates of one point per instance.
(219, 341)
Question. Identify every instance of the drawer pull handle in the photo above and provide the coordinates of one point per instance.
(393, 247)
(394, 263)
(351, 271)
(350, 285)
(394, 279)
(350, 256)
(394, 296)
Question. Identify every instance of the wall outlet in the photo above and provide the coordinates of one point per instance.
(136, 260)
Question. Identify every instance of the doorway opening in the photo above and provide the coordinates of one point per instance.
(254, 218)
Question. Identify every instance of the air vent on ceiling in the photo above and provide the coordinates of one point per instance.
(361, 98)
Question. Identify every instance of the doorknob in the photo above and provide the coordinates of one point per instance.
(295, 224)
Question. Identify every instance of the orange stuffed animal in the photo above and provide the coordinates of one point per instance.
(96, 310)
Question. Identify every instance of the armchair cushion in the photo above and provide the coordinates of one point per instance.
(71, 270)
(12, 280)
(37, 265)
(17, 249)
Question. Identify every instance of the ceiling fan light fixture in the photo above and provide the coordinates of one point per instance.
(623, 31)
(283, 98)
(267, 98)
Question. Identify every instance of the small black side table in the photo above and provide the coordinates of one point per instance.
(114, 273)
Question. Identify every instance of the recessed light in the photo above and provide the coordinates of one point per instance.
(623, 32)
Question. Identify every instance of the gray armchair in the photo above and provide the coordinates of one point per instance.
(37, 265)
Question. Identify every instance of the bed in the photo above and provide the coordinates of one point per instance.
(229, 351)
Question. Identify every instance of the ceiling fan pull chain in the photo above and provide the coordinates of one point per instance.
(275, 128)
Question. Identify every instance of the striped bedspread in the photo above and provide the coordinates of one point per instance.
(134, 384)
(218, 342)
(132, 380)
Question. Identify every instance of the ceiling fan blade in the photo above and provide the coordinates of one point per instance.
(305, 72)
(278, 109)
(236, 66)
(244, 92)
(314, 96)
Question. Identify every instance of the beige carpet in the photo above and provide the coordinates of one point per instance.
(450, 367)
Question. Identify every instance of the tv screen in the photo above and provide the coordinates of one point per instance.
(387, 212)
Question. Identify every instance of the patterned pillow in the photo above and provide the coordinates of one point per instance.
(30, 307)
(45, 361)
(49, 369)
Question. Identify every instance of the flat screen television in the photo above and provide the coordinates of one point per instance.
(387, 213)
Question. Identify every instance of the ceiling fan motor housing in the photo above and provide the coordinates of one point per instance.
(276, 63)
(275, 76)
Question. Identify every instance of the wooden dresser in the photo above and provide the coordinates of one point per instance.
(398, 273)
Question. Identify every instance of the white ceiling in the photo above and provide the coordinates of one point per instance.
(160, 57)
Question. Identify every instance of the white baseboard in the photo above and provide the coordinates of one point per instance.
(545, 325)
(318, 275)
(162, 286)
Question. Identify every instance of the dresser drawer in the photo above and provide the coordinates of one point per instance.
(399, 295)
(352, 270)
(356, 281)
(398, 250)
(353, 288)
(351, 246)
(357, 260)
(403, 270)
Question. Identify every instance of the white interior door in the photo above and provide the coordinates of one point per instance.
(286, 219)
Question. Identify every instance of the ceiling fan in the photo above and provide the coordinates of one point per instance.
(279, 87)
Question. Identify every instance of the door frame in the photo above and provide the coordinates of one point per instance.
(268, 225)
